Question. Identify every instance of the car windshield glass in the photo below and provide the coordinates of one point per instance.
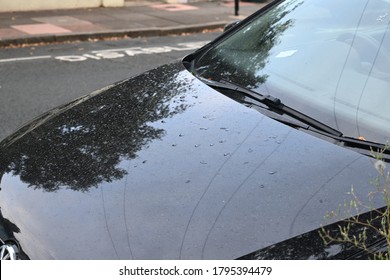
(328, 59)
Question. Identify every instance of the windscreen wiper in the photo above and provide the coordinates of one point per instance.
(277, 110)
(273, 104)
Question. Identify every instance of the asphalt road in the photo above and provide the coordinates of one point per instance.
(35, 79)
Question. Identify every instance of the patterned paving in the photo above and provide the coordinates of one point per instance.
(62, 20)
(241, 4)
(10, 33)
(175, 7)
(151, 14)
(71, 23)
(40, 28)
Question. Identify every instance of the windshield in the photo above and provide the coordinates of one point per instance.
(328, 59)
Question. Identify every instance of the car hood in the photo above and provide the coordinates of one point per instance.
(161, 166)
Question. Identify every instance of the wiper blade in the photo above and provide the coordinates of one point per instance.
(274, 104)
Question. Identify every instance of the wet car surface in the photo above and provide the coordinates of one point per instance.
(164, 166)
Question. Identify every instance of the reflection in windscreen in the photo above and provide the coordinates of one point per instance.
(329, 59)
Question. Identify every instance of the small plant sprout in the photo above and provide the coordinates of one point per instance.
(375, 228)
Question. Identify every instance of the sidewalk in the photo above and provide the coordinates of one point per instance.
(135, 19)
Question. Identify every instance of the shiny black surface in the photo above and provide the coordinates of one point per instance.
(163, 167)
(310, 245)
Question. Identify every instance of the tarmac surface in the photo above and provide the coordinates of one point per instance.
(137, 18)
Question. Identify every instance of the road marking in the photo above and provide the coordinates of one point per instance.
(114, 53)
(122, 52)
(25, 58)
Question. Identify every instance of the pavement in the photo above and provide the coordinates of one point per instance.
(137, 18)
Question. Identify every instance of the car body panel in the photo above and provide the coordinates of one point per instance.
(310, 245)
(161, 166)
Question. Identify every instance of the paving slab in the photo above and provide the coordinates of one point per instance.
(136, 18)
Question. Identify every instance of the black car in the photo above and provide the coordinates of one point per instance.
(236, 151)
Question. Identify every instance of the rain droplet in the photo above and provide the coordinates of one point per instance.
(226, 154)
(272, 172)
(197, 145)
(203, 162)
(188, 181)
(203, 128)
(174, 145)
(250, 151)
(211, 145)
(181, 135)
(144, 161)
(222, 141)
(262, 186)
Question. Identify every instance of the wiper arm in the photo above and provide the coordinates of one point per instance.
(274, 104)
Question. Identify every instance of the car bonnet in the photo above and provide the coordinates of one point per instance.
(161, 166)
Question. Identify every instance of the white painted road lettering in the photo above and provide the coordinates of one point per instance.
(119, 53)
(113, 53)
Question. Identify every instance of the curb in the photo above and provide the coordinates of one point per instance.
(130, 33)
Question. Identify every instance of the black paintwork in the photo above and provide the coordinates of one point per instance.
(310, 245)
(161, 166)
